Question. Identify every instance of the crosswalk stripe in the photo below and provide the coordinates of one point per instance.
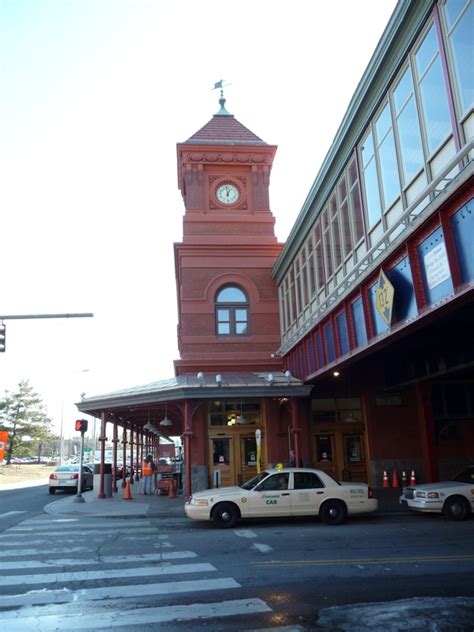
(106, 559)
(64, 532)
(37, 526)
(124, 573)
(23, 552)
(11, 513)
(62, 595)
(142, 616)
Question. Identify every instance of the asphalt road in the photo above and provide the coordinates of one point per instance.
(18, 504)
(373, 573)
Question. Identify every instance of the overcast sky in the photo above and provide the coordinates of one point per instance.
(94, 96)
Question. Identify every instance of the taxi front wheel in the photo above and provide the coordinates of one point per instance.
(225, 515)
(333, 512)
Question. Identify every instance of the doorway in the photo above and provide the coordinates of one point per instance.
(222, 461)
(341, 454)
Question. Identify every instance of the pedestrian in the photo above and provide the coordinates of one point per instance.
(292, 459)
(148, 470)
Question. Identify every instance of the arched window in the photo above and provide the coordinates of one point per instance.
(232, 312)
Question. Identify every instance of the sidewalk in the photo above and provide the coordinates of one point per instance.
(164, 507)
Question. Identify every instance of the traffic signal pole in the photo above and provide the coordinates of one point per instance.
(81, 426)
(79, 497)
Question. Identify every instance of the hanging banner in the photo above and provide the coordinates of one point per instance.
(258, 439)
(384, 298)
(3, 443)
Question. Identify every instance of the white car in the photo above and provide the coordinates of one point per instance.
(67, 477)
(282, 492)
(454, 499)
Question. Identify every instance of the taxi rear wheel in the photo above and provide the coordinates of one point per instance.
(225, 515)
(333, 512)
(456, 508)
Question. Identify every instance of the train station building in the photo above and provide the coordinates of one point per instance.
(353, 342)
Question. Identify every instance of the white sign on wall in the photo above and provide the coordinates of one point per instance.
(437, 266)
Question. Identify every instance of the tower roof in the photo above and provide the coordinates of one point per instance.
(224, 129)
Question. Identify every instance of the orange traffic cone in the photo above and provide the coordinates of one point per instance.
(412, 479)
(395, 479)
(171, 493)
(385, 479)
(404, 478)
(127, 495)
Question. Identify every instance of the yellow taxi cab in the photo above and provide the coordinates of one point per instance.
(281, 492)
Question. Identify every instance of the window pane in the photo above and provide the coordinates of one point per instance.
(346, 231)
(240, 328)
(357, 213)
(435, 106)
(389, 170)
(367, 150)
(383, 124)
(223, 328)
(223, 315)
(231, 295)
(452, 9)
(426, 52)
(432, 91)
(463, 56)
(241, 315)
(410, 141)
(403, 91)
(372, 194)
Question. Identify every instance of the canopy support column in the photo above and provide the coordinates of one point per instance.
(102, 440)
(187, 434)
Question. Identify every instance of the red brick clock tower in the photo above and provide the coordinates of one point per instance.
(227, 299)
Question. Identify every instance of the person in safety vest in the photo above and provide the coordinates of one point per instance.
(148, 470)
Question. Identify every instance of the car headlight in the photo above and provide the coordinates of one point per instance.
(198, 502)
(427, 494)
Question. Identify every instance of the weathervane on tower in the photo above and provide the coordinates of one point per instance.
(221, 85)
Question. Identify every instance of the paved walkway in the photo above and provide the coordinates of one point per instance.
(164, 507)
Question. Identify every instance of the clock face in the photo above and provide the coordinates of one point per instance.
(227, 194)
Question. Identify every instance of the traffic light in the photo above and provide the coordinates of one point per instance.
(81, 425)
(3, 330)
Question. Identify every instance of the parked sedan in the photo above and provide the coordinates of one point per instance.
(283, 492)
(454, 499)
(67, 477)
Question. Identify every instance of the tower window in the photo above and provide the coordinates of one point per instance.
(232, 312)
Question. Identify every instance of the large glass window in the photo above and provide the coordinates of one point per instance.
(408, 127)
(228, 412)
(460, 21)
(372, 193)
(432, 91)
(387, 157)
(232, 312)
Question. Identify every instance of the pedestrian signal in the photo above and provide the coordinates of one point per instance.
(81, 425)
(3, 330)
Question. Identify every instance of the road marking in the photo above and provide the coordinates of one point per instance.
(30, 525)
(11, 534)
(394, 560)
(106, 559)
(263, 548)
(11, 513)
(245, 533)
(146, 571)
(23, 552)
(63, 595)
(141, 616)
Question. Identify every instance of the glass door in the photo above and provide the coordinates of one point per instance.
(355, 468)
(248, 455)
(326, 453)
(222, 462)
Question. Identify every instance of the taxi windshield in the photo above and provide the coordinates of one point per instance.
(250, 484)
